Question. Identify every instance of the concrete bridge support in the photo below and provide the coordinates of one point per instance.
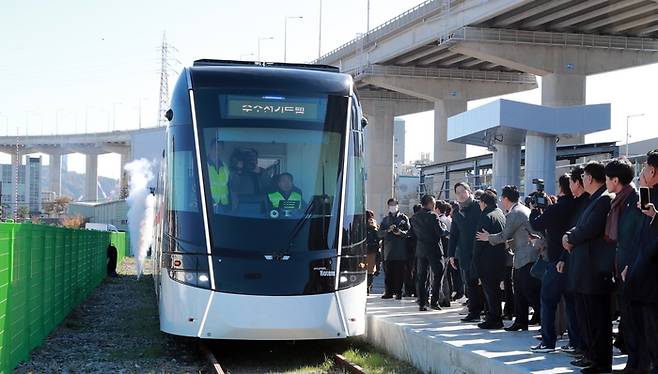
(540, 161)
(381, 109)
(444, 150)
(55, 173)
(506, 166)
(91, 177)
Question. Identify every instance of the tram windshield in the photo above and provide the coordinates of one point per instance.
(272, 170)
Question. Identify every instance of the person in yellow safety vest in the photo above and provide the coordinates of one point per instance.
(218, 175)
(287, 199)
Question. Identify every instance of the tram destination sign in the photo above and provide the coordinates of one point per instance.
(275, 107)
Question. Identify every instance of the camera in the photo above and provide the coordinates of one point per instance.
(538, 199)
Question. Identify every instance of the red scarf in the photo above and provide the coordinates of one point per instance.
(612, 224)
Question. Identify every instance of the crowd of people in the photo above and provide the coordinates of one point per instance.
(579, 260)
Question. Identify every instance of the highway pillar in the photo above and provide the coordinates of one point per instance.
(540, 155)
(126, 157)
(379, 156)
(506, 166)
(91, 177)
(55, 173)
(444, 150)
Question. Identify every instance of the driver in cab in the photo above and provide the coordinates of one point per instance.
(218, 174)
(287, 200)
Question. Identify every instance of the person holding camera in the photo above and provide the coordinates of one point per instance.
(591, 275)
(393, 230)
(517, 229)
(553, 220)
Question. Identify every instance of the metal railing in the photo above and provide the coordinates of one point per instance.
(462, 74)
(553, 39)
(419, 12)
(388, 96)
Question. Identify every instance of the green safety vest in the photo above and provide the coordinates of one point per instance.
(294, 201)
(219, 183)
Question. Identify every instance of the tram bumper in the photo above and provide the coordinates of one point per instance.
(216, 315)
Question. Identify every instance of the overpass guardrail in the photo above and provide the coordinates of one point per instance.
(45, 272)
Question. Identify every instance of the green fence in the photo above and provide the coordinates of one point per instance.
(45, 272)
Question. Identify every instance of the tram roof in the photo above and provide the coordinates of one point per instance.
(276, 76)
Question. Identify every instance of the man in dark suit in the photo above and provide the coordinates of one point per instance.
(490, 258)
(517, 231)
(429, 252)
(641, 276)
(462, 241)
(591, 274)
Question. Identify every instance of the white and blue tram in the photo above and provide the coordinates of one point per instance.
(260, 223)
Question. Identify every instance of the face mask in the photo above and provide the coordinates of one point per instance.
(393, 209)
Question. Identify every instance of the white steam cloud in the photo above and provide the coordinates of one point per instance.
(141, 206)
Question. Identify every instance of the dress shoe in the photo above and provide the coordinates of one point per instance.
(445, 304)
(471, 318)
(491, 325)
(516, 327)
(435, 306)
(596, 369)
(398, 297)
(387, 296)
(422, 308)
(582, 363)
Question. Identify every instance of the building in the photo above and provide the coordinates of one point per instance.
(113, 212)
(29, 186)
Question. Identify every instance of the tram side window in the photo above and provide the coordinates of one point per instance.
(272, 173)
(183, 182)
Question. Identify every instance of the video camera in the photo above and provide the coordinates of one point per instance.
(538, 199)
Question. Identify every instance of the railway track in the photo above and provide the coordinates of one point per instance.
(341, 363)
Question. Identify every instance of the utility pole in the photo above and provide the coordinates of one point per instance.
(285, 36)
(627, 133)
(320, 32)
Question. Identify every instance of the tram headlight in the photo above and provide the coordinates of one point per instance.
(190, 269)
(352, 271)
(192, 278)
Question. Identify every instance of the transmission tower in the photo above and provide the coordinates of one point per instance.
(166, 51)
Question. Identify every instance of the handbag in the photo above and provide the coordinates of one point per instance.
(538, 269)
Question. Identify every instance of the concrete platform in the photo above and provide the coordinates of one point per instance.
(437, 342)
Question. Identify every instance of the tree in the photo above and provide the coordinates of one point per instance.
(74, 222)
(23, 212)
(57, 207)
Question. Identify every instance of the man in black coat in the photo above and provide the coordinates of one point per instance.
(621, 229)
(429, 252)
(490, 259)
(641, 276)
(462, 241)
(591, 275)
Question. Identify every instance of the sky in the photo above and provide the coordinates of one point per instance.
(74, 66)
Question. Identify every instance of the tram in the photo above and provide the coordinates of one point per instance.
(260, 214)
